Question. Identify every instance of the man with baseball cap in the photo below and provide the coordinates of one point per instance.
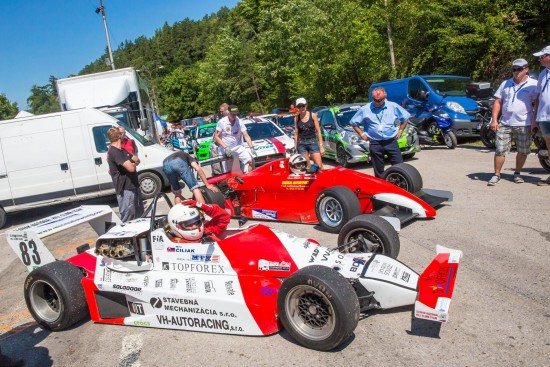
(515, 97)
(229, 134)
(541, 117)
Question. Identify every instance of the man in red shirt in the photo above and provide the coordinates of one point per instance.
(186, 221)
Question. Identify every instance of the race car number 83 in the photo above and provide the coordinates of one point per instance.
(25, 256)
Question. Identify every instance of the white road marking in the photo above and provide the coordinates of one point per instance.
(130, 351)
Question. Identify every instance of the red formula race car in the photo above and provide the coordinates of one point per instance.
(332, 198)
(250, 281)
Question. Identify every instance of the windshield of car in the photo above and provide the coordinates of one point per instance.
(142, 139)
(261, 130)
(344, 117)
(206, 132)
(449, 86)
(285, 121)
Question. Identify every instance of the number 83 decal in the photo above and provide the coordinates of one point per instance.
(29, 252)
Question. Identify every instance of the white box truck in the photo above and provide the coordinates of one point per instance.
(121, 93)
(59, 157)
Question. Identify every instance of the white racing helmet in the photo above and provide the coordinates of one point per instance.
(297, 164)
(186, 222)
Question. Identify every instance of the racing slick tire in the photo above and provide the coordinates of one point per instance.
(54, 295)
(450, 140)
(405, 176)
(213, 197)
(369, 233)
(318, 307)
(335, 206)
(150, 184)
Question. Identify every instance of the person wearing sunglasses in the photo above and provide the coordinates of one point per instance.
(378, 120)
(542, 102)
(515, 98)
(307, 137)
(186, 221)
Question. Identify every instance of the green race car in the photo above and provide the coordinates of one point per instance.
(202, 140)
(343, 144)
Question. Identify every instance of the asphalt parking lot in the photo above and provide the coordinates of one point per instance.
(500, 313)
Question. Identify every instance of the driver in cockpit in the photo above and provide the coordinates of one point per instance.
(187, 223)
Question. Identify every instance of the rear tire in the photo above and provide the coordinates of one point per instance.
(488, 136)
(213, 197)
(335, 206)
(55, 296)
(318, 307)
(545, 163)
(150, 184)
(405, 176)
(377, 236)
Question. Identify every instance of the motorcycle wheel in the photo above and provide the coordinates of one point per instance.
(487, 136)
(318, 307)
(450, 140)
(545, 163)
(369, 233)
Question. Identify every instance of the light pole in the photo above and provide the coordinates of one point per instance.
(102, 10)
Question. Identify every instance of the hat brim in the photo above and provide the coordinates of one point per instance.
(537, 54)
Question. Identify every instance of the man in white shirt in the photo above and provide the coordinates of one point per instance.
(515, 97)
(229, 134)
(542, 102)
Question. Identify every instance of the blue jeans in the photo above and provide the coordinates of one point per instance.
(130, 204)
(308, 146)
(378, 148)
(176, 169)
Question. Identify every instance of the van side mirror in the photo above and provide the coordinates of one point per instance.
(143, 124)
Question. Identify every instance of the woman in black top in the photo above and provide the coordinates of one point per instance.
(307, 136)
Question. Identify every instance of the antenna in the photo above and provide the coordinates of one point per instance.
(101, 10)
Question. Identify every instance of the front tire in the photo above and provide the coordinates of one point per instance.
(54, 295)
(318, 307)
(150, 184)
(342, 157)
(335, 206)
(450, 140)
(405, 176)
(369, 233)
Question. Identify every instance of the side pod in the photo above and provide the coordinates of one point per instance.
(436, 284)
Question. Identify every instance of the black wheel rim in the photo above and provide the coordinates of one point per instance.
(398, 180)
(342, 158)
(363, 240)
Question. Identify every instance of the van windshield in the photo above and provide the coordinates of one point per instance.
(142, 139)
(449, 86)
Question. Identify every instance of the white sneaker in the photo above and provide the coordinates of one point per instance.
(493, 181)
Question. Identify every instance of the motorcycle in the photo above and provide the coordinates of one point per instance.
(433, 125)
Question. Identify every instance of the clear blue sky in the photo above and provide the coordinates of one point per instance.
(52, 37)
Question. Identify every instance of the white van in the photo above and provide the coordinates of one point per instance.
(59, 157)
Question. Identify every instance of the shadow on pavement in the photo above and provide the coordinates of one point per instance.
(18, 347)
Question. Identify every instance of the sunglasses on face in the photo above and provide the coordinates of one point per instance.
(301, 106)
(543, 56)
(378, 100)
(515, 70)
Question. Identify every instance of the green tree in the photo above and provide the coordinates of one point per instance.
(8, 109)
(44, 99)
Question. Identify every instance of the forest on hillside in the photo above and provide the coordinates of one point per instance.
(265, 53)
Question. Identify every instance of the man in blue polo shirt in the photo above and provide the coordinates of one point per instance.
(378, 120)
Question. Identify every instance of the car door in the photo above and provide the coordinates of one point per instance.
(6, 198)
(328, 127)
(413, 103)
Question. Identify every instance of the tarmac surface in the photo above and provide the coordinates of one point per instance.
(499, 316)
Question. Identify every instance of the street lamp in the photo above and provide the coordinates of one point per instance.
(101, 10)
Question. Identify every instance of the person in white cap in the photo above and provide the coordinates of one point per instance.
(307, 136)
(542, 102)
(515, 97)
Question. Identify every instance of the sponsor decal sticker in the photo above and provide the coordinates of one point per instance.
(179, 249)
(136, 308)
(127, 288)
(173, 283)
(194, 268)
(229, 288)
(264, 214)
(205, 258)
(268, 291)
(158, 283)
(266, 265)
(191, 285)
(209, 286)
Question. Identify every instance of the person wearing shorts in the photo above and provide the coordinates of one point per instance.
(515, 97)
(542, 103)
(229, 135)
(308, 139)
(180, 165)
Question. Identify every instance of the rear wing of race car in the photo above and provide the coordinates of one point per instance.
(436, 285)
(26, 241)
